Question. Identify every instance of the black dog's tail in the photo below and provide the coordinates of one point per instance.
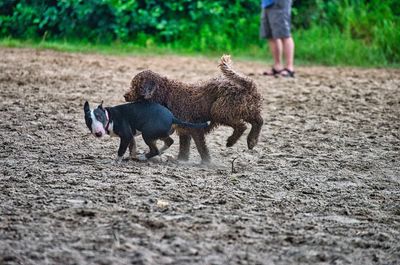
(189, 124)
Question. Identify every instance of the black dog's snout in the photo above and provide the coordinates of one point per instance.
(98, 134)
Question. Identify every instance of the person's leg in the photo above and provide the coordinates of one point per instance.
(275, 46)
(280, 19)
(288, 52)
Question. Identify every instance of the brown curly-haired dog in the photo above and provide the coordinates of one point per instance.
(231, 100)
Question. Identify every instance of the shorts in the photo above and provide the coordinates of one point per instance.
(275, 20)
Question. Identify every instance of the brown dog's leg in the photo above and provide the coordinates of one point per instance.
(256, 123)
(238, 130)
(200, 142)
(184, 147)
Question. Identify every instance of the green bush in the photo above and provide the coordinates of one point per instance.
(368, 28)
(373, 24)
(199, 24)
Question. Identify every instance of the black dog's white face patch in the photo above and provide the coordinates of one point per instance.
(96, 119)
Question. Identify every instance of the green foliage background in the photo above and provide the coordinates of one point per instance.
(358, 32)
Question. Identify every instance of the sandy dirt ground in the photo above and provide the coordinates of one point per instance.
(321, 187)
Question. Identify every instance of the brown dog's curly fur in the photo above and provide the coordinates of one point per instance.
(231, 100)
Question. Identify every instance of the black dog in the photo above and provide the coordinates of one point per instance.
(152, 120)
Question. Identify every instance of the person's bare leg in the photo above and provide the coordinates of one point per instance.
(288, 52)
(275, 46)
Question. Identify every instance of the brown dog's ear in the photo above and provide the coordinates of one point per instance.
(148, 89)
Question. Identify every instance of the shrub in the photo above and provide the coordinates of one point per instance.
(204, 25)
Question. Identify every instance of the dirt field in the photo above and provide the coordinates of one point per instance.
(321, 187)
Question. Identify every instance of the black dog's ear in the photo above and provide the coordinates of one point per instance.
(86, 107)
(101, 105)
(148, 88)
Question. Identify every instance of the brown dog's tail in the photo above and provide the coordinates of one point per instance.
(226, 68)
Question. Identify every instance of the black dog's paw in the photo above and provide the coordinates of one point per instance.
(118, 160)
(141, 157)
